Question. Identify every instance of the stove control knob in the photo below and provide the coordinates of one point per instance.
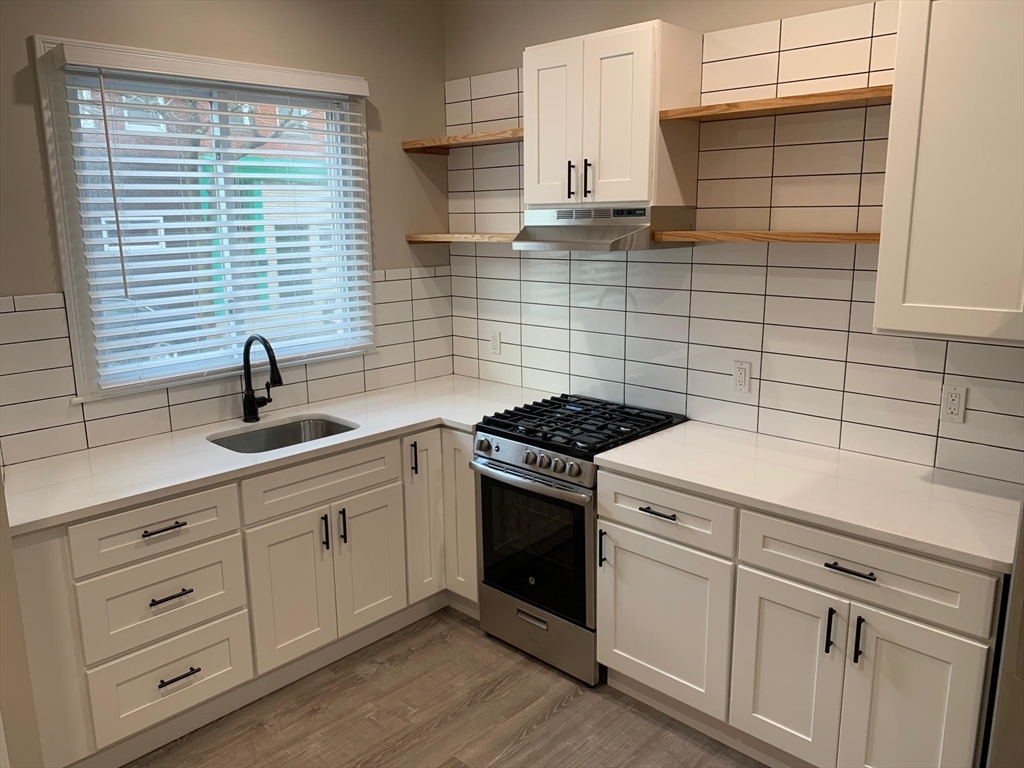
(572, 469)
(529, 457)
(483, 444)
(543, 461)
(558, 466)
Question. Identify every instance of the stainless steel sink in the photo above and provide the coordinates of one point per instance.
(282, 434)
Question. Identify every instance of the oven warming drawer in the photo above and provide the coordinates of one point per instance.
(562, 644)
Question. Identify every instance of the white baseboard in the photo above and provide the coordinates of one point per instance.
(163, 733)
(709, 726)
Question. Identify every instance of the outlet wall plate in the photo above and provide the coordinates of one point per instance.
(496, 343)
(953, 404)
(740, 376)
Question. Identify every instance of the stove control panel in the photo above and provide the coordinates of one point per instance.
(537, 460)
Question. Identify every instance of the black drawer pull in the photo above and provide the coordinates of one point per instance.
(344, 526)
(327, 531)
(182, 676)
(856, 643)
(662, 515)
(568, 178)
(587, 165)
(600, 548)
(177, 524)
(834, 566)
(415, 458)
(184, 591)
(828, 630)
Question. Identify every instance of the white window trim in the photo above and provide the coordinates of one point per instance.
(54, 53)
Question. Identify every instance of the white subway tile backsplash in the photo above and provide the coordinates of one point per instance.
(6, 304)
(810, 313)
(657, 301)
(803, 370)
(141, 401)
(553, 360)
(734, 193)
(810, 283)
(900, 383)
(725, 333)
(806, 342)
(39, 301)
(985, 360)
(808, 219)
(735, 163)
(546, 381)
(990, 394)
(457, 90)
(650, 326)
(976, 459)
(117, 429)
(727, 306)
(890, 443)
(655, 351)
(653, 376)
(733, 218)
(36, 385)
(815, 127)
(739, 254)
(721, 359)
(882, 77)
(673, 402)
(719, 387)
(742, 41)
(740, 73)
(820, 191)
(825, 61)
(35, 356)
(600, 344)
(495, 108)
(33, 325)
(827, 26)
(813, 401)
(335, 386)
(818, 159)
(496, 155)
(883, 52)
(458, 113)
(995, 429)
(893, 414)
(876, 126)
(41, 443)
(739, 94)
(737, 134)
(38, 414)
(494, 84)
(886, 15)
(898, 352)
(597, 297)
(379, 378)
(724, 278)
(605, 390)
(735, 415)
(798, 426)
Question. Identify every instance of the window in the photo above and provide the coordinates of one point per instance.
(196, 212)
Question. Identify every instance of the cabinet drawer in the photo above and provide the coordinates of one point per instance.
(939, 593)
(117, 540)
(316, 482)
(700, 523)
(135, 692)
(117, 611)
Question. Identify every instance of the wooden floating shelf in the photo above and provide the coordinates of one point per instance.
(808, 102)
(748, 236)
(443, 144)
(458, 237)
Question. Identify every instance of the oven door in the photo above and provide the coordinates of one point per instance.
(536, 540)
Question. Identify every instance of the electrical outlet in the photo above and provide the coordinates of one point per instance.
(740, 376)
(496, 343)
(954, 403)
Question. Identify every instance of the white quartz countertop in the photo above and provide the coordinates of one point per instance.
(961, 518)
(63, 489)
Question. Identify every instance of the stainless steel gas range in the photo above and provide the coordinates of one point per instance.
(537, 520)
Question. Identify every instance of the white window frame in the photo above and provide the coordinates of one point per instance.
(55, 53)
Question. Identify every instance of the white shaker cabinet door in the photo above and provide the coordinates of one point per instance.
(369, 563)
(951, 258)
(460, 557)
(664, 616)
(291, 583)
(788, 663)
(424, 513)
(618, 114)
(552, 122)
(912, 695)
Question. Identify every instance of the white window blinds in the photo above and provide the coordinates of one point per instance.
(198, 214)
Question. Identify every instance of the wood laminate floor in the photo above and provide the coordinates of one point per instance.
(440, 694)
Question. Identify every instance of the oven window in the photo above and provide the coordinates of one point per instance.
(534, 548)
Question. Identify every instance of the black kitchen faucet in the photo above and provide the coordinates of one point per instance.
(250, 403)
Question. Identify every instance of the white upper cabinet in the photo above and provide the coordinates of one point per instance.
(912, 694)
(590, 116)
(424, 513)
(618, 89)
(951, 259)
(552, 122)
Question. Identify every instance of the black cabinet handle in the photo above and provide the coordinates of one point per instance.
(182, 676)
(586, 166)
(415, 458)
(600, 548)
(856, 643)
(175, 526)
(344, 526)
(662, 515)
(834, 566)
(184, 591)
(828, 630)
(327, 531)
(568, 178)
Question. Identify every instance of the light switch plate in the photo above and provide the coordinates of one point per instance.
(954, 403)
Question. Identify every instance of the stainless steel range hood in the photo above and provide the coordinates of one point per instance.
(600, 229)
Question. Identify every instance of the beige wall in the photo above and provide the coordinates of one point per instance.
(397, 45)
(490, 35)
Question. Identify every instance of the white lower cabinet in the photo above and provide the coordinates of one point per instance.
(369, 563)
(664, 616)
(460, 559)
(912, 695)
(787, 686)
(834, 682)
(424, 513)
(291, 587)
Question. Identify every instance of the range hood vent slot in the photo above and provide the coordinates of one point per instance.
(563, 213)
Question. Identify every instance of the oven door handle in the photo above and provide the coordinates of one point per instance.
(573, 497)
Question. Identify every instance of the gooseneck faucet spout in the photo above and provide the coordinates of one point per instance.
(250, 403)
